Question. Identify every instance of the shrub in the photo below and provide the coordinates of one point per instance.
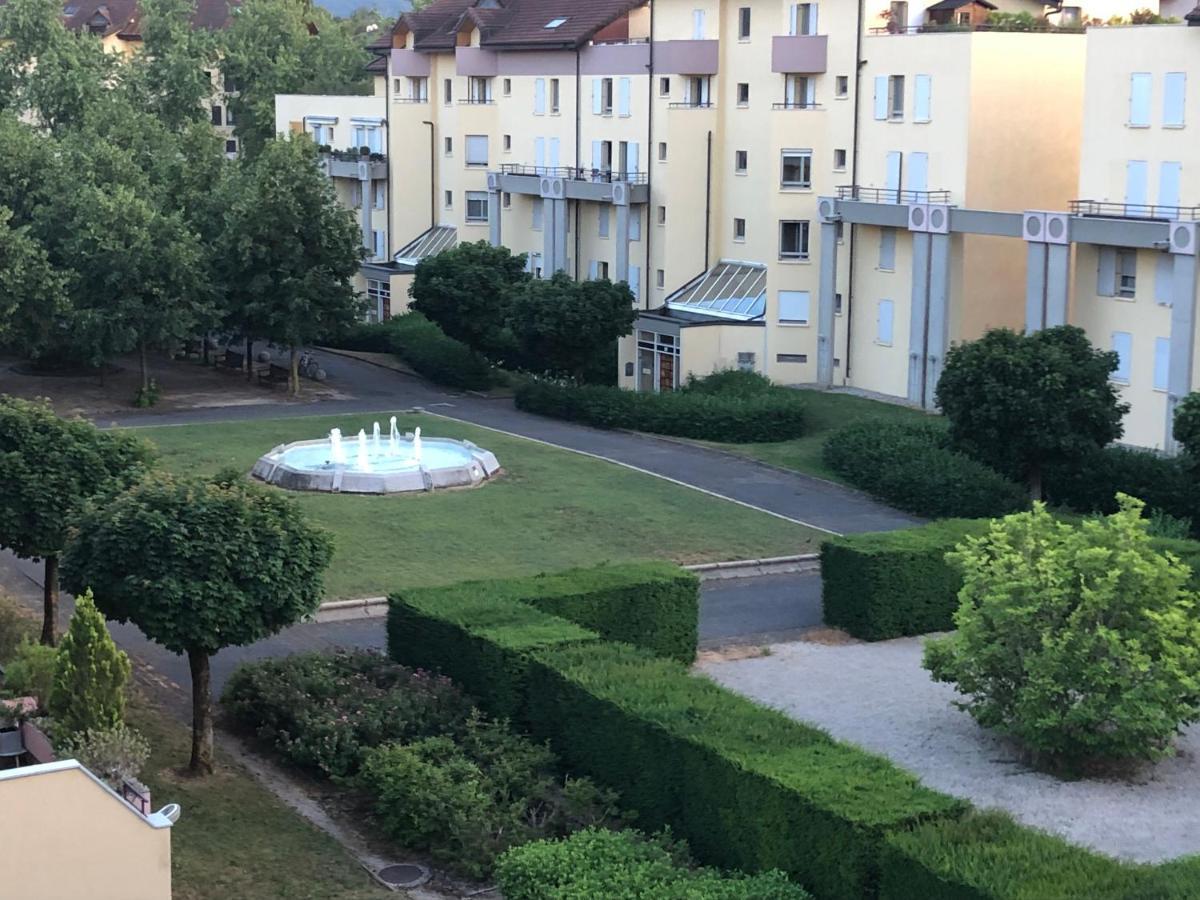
(31, 671)
(624, 865)
(468, 801)
(774, 416)
(1080, 641)
(325, 711)
(732, 383)
(15, 626)
(113, 754)
(910, 467)
(90, 674)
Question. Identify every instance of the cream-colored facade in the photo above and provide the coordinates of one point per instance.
(65, 835)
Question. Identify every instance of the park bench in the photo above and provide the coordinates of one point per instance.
(274, 374)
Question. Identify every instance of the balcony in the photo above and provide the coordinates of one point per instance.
(1103, 209)
(951, 28)
(477, 101)
(582, 183)
(804, 54)
(692, 104)
(796, 104)
(351, 164)
(890, 195)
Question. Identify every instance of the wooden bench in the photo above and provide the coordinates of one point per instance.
(274, 374)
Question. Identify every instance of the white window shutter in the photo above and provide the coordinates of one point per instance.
(887, 249)
(918, 172)
(593, 270)
(1122, 344)
(635, 224)
(794, 307)
(1164, 279)
(635, 281)
(539, 153)
(597, 97)
(1174, 98)
(1162, 362)
(1139, 98)
(1169, 174)
(884, 322)
(793, 17)
(539, 96)
(631, 157)
(623, 97)
(812, 18)
(922, 97)
(893, 174)
(881, 98)
(697, 24)
(602, 228)
(1106, 272)
(553, 163)
(1136, 177)
(810, 91)
(596, 155)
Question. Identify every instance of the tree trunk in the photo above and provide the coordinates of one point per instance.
(50, 600)
(294, 373)
(249, 358)
(144, 367)
(202, 723)
(1035, 483)
(204, 348)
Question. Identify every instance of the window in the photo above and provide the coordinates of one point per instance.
(539, 96)
(378, 194)
(799, 91)
(229, 116)
(739, 229)
(744, 23)
(842, 87)
(839, 160)
(479, 89)
(554, 23)
(922, 98)
(216, 115)
(635, 224)
(477, 149)
(743, 94)
(418, 89)
(837, 303)
(662, 215)
(1117, 272)
(597, 269)
(964, 18)
(623, 98)
(396, 83)
(793, 307)
(664, 87)
(696, 90)
(380, 293)
(660, 278)
(796, 169)
(539, 210)
(378, 239)
(448, 145)
(602, 227)
(231, 86)
(739, 161)
(231, 146)
(887, 249)
(448, 199)
(356, 197)
(506, 87)
(896, 98)
(881, 98)
(1174, 92)
(1162, 363)
(791, 357)
(1164, 279)
(802, 18)
(697, 24)
(602, 96)
(322, 135)
(883, 322)
(793, 239)
(369, 136)
(662, 151)
(554, 96)
(1126, 273)
(1122, 345)
(745, 362)
(506, 200)
(448, 91)
(1139, 100)
(507, 143)
(839, 230)
(477, 206)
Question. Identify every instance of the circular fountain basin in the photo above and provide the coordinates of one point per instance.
(381, 466)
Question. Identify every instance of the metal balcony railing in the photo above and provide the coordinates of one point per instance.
(951, 28)
(1106, 209)
(796, 104)
(410, 99)
(477, 101)
(692, 104)
(890, 195)
(595, 176)
(355, 155)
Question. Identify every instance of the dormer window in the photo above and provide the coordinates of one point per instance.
(554, 23)
(488, 4)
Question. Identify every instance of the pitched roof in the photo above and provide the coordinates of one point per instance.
(732, 289)
(512, 24)
(956, 4)
(124, 17)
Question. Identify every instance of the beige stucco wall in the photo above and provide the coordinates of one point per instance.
(64, 836)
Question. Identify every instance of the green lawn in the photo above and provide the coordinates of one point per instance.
(826, 412)
(550, 509)
(234, 838)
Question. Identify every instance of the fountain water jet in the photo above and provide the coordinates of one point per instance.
(337, 453)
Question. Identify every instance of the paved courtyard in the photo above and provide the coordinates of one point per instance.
(879, 697)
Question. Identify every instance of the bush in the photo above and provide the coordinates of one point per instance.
(732, 383)
(624, 865)
(468, 801)
(15, 626)
(113, 754)
(324, 711)
(774, 416)
(90, 675)
(1080, 641)
(30, 673)
(909, 466)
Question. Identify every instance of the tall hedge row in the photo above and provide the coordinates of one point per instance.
(774, 415)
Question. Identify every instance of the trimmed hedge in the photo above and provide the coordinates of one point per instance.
(909, 466)
(775, 415)
(425, 347)
(655, 605)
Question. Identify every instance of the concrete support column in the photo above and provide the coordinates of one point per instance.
(1058, 279)
(494, 218)
(560, 236)
(622, 248)
(937, 331)
(368, 197)
(547, 236)
(918, 322)
(827, 304)
(1183, 340)
(1035, 286)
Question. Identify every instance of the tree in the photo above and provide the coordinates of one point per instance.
(50, 467)
(1080, 641)
(1186, 426)
(1022, 402)
(466, 290)
(198, 566)
(290, 251)
(32, 291)
(564, 324)
(90, 674)
(168, 77)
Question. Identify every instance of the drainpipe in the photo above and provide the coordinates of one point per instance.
(578, 164)
(432, 177)
(387, 130)
(707, 200)
(848, 300)
(651, 155)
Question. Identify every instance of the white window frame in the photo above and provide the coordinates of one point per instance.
(805, 182)
(472, 144)
(804, 235)
(480, 199)
(739, 230)
(1121, 343)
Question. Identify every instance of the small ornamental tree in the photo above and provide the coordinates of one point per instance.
(1021, 402)
(562, 325)
(465, 291)
(49, 467)
(1080, 641)
(90, 674)
(1186, 427)
(198, 566)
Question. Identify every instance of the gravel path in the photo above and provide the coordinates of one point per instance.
(879, 697)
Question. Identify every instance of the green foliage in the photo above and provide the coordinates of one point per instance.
(731, 383)
(324, 711)
(894, 583)
(655, 605)
(625, 865)
(15, 626)
(466, 292)
(1165, 525)
(30, 672)
(114, 753)
(1186, 426)
(90, 675)
(910, 467)
(32, 291)
(468, 800)
(774, 416)
(167, 76)
(1020, 403)
(561, 325)
(1080, 641)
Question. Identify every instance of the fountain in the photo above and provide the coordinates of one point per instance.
(406, 462)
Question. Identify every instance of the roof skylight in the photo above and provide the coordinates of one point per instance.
(554, 23)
